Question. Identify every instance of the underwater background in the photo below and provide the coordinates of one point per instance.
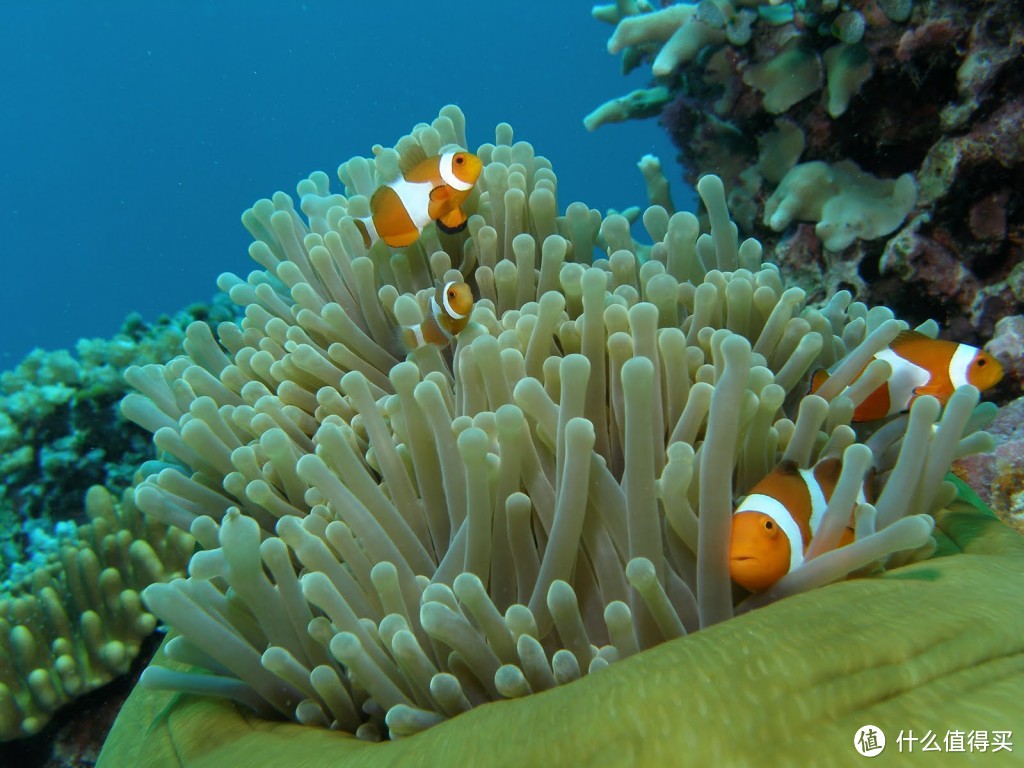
(861, 175)
(135, 134)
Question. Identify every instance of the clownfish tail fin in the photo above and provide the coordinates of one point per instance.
(819, 377)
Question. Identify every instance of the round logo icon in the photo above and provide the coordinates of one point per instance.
(869, 740)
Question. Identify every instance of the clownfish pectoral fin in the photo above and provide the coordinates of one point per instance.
(935, 390)
(440, 198)
(819, 377)
(453, 222)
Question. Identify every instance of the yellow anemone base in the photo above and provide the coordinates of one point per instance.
(937, 646)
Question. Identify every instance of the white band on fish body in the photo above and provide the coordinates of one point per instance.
(448, 174)
(905, 378)
(776, 510)
(418, 333)
(415, 197)
(447, 305)
(960, 364)
(436, 312)
(818, 501)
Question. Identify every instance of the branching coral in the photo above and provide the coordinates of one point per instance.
(389, 543)
(77, 622)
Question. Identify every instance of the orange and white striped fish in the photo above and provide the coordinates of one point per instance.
(775, 523)
(432, 189)
(923, 366)
(449, 313)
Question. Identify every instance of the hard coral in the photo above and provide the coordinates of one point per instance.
(931, 88)
(76, 622)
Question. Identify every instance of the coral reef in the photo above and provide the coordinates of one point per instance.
(62, 432)
(72, 562)
(999, 475)
(929, 88)
(77, 622)
(387, 544)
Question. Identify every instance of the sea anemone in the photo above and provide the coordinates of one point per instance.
(388, 543)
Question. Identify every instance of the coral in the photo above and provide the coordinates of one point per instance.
(999, 475)
(388, 543)
(931, 88)
(61, 431)
(70, 572)
(641, 103)
(931, 647)
(846, 203)
(76, 622)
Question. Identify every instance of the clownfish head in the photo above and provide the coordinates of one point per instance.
(759, 551)
(984, 371)
(457, 300)
(465, 166)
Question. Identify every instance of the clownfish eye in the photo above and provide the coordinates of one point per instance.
(769, 525)
(451, 294)
(981, 361)
(460, 159)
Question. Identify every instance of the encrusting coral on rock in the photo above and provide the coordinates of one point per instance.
(921, 90)
(390, 542)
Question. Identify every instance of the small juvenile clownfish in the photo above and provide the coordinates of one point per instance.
(776, 522)
(922, 366)
(431, 189)
(449, 313)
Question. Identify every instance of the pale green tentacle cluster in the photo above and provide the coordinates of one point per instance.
(387, 542)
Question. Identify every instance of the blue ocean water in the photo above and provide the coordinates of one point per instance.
(134, 134)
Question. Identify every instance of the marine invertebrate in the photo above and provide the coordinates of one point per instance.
(845, 202)
(930, 89)
(462, 522)
(61, 430)
(920, 653)
(76, 622)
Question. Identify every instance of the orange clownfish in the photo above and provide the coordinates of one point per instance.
(449, 313)
(433, 189)
(923, 366)
(774, 525)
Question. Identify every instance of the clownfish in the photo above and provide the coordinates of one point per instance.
(432, 189)
(449, 313)
(922, 366)
(774, 525)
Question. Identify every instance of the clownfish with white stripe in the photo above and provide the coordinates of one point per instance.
(449, 313)
(923, 366)
(428, 189)
(775, 523)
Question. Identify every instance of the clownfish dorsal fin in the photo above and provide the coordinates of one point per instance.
(411, 156)
(907, 337)
(453, 221)
(788, 467)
